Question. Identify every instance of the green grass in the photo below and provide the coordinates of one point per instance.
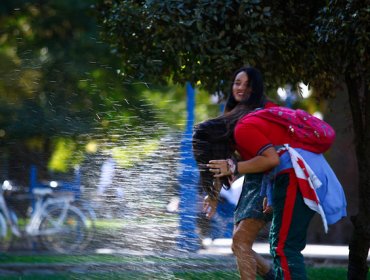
(130, 276)
(98, 258)
(117, 224)
(313, 274)
(68, 259)
(192, 271)
(109, 224)
(327, 273)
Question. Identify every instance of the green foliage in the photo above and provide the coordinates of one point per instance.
(59, 81)
(289, 41)
(343, 26)
(190, 41)
(134, 152)
(64, 155)
(169, 105)
(206, 106)
(57, 75)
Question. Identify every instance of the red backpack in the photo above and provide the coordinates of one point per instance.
(302, 126)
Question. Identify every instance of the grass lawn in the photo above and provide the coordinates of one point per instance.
(194, 268)
(313, 273)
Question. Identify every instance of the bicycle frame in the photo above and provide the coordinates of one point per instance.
(6, 219)
(42, 206)
(54, 217)
(3, 225)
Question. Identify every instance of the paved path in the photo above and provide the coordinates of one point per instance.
(332, 252)
(222, 247)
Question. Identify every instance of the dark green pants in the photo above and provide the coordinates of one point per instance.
(290, 221)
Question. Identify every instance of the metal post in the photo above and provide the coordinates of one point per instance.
(188, 238)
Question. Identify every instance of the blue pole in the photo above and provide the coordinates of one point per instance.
(33, 178)
(188, 238)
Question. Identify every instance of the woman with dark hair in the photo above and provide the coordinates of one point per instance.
(303, 183)
(247, 80)
(211, 141)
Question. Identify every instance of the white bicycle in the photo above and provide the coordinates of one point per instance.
(59, 225)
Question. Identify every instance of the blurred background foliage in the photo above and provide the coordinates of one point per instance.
(61, 89)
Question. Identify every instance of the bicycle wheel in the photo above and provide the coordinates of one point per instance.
(64, 230)
(5, 234)
(90, 215)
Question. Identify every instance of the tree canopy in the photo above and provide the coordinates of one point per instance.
(207, 40)
(61, 87)
(58, 80)
(56, 74)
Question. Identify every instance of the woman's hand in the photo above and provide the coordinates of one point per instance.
(268, 159)
(210, 202)
(267, 209)
(219, 167)
(209, 206)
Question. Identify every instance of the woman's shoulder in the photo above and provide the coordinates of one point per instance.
(270, 104)
(251, 120)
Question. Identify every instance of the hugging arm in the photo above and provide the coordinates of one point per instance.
(267, 160)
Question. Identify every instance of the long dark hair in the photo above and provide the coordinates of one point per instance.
(257, 98)
(213, 139)
(232, 118)
(209, 142)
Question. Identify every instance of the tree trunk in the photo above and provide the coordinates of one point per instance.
(360, 240)
(358, 249)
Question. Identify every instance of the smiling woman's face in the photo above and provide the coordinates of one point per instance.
(241, 88)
